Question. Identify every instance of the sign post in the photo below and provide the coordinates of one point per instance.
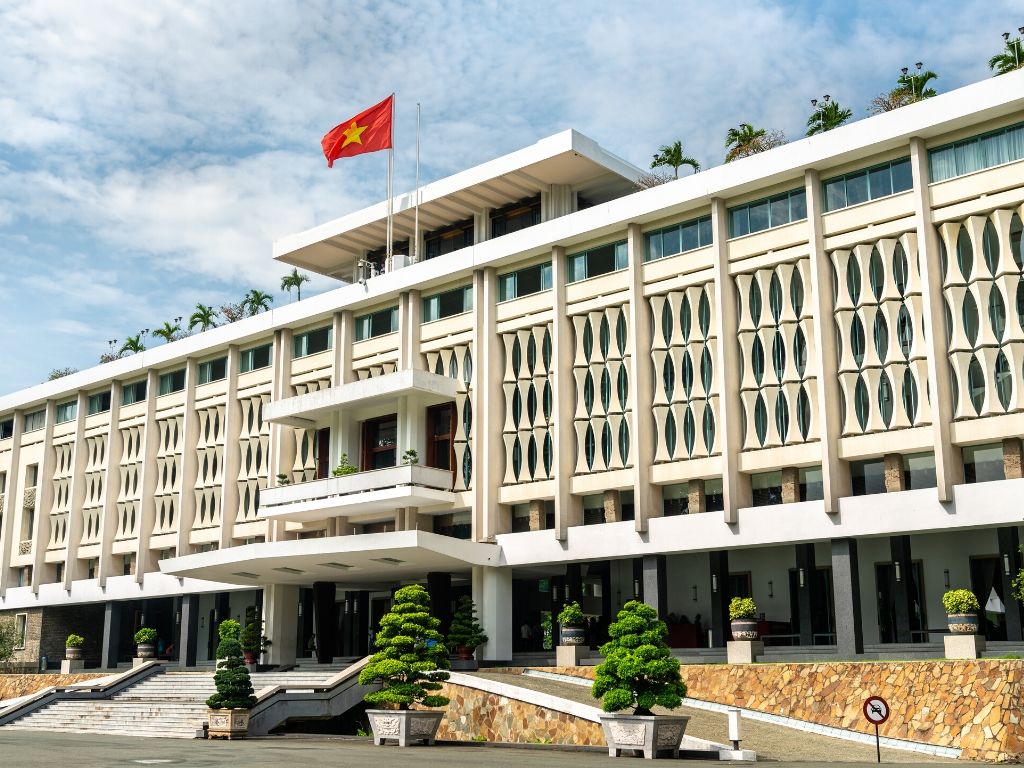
(876, 711)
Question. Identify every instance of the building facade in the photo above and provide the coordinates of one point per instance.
(797, 377)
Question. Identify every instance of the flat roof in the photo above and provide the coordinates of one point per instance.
(568, 158)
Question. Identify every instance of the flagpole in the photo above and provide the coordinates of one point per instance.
(416, 225)
(391, 170)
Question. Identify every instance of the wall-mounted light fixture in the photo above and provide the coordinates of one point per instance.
(899, 574)
(554, 593)
(945, 576)
(714, 582)
(695, 593)
(636, 588)
(177, 617)
(771, 588)
(300, 608)
(800, 574)
(1006, 564)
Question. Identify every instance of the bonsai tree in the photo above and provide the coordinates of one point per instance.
(411, 456)
(959, 601)
(412, 659)
(145, 636)
(639, 670)
(252, 639)
(74, 641)
(465, 632)
(234, 686)
(571, 615)
(742, 608)
(344, 467)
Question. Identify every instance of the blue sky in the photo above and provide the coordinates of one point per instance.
(151, 152)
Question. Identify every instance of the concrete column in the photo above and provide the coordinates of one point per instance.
(280, 616)
(439, 585)
(147, 507)
(362, 624)
(719, 618)
(573, 582)
(696, 499)
(790, 485)
(343, 331)
(894, 480)
(655, 583)
(948, 462)
(903, 593)
(735, 485)
(77, 491)
(1009, 566)
(613, 506)
(492, 592)
(229, 496)
(846, 593)
(537, 515)
(409, 331)
(489, 518)
(112, 486)
(804, 591)
(44, 500)
(647, 499)
(189, 462)
(282, 443)
(188, 631)
(325, 613)
(835, 474)
(109, 652)
(1012, 463)
(568, 508)
(8, 536)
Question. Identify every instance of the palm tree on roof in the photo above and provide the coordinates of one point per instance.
(205, 317)
(257, 301)
(673, 156)
(827, 117)
(746, 140)
(916, 83)
(132, 345)
(168, 332)
(1012, 57)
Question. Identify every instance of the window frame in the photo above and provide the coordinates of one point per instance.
(171, 377)
(250, 355)
(7, 429)
(205, 373)
(133, 387)
(93, 399)
(512, 279)
(867, 174)
(302, 340)
(64, 418)
(33, 417)
(620, 248)
(769, 205)
(700, 225)
(361, 335)
(431, 306)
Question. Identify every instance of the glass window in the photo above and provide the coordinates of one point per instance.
(316, 341)
(919, 470)
(35, 421)
(867, 476)
(870, 184)
(835, 194)
(99, 403)
(448, 304)
(67, 411)
(811, 484)
(679, 238)
(856, 188)
(173, 381)
(6, 429)
(255, 358)
(974, 154)
(598, 261)
(212, 370)
(377, 324)
(983, 463)
(524, 282)
(134, 392)
(768, 213)
(514, 217)
(448, 239)
(880, 182)
(766, 488)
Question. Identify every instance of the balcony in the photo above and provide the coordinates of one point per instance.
(360, 494)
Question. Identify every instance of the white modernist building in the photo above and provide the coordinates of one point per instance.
(797, 377)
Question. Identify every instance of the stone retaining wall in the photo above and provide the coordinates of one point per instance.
(14, 686)
(974, 706)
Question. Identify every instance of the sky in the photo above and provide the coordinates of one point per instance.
(150, 153)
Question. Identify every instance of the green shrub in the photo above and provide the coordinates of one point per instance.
(344, 467)
(411, 456)
(234, 685)
(74, 641)
(465, 630)
(742, 608)
(412, 657)
(145, 636)
(638, 670)
(229, 629)
(252, 638)
(571, 615)
(960, 601)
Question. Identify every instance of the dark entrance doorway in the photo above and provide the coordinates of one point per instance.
(885, 580)
(822, 620)
(985, 577)
(380, 440)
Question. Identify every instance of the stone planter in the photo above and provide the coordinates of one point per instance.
(250, 657)
(744, 629)
(228, 724)
(404, 725)
(145, 651)
(572, 635)
(649, 734)
(963, 623)
(463, 652)
(73, 654)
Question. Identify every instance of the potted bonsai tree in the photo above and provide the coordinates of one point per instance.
(253, 641)
(145, 638)
(571, 625)
(410, 665)
(639, 673)
(961, 611)
(345, 467)
(230, 705)
(73, 647)
(743, 618)
(465, 633)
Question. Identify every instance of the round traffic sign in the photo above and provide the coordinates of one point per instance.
(876, 710)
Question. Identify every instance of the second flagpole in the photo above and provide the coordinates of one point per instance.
(389, 259)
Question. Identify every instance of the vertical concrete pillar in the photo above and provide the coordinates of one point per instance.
(568, 508)
(655, 584)
(44, 501)
(8, 534)
(232, 452)
(72, 564)
(409, 331)
(325, 616)
(111, 650)
(573, 582)
(893, 471)
(903, 592)
(188, 631)
(537, 515)
(189, 461)
(282, 442)
(439, 585)
(846, 592)
(696, 498)
(363, 624)
(790, 485)
(489, 517)
(1009, 566)
(805, 590)
(1012, 464)
(719, 619)
(613, 506)
(280, 616)
(492, 591)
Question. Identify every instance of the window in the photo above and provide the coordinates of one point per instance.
(255, 358)
(811, 484)
(598, 261)
(867, 476)
(977, 153)
(447, 304)
(879, 181)
(919, 471)
(516, 216)
(448, 239)
(212, 370)
(20, 621)
(31, 476)
(766, 488)
(377, 324)
(134, 392)
(524, 282)
(66, 411)
(99, 403)
(171, 382)
(678, 238)
(457, 525)
(380, 442)
(3, 486)
(768, 213)
(314, 342)
(676, 499)
(377, 259)
(593, 509)
(35, 421)
(6, 429)
(440, 431)
(983, 463)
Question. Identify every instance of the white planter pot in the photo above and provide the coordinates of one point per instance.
(228, 724)
(649, 734)
(404, 725)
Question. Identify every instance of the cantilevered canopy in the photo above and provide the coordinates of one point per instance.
(359, 560)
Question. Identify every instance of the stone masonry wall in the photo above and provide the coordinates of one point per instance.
(13, 686)
(974, 706)
(28, 654)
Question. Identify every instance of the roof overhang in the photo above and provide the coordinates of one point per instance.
(567, 158)
(359, 560)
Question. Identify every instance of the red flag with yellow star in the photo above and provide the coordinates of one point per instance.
(369, 131)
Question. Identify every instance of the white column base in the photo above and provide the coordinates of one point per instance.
(743, 651)
(570, 655)
(71, 666)
(280, 615)
(492, 591)
(963, 646)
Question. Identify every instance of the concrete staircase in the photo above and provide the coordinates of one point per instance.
(167, 705)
